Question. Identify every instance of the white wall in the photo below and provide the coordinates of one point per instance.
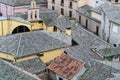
(95, 3)
(96, 16)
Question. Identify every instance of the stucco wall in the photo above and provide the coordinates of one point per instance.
(6, 10)
(7, 26)
(92, 24)
(50, 55)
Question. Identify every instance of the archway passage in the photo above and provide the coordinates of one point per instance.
(20, 29)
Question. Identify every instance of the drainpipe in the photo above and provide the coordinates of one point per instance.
(109, 32)
(103, 30)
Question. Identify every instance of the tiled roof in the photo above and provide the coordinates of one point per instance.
(15, 3)
(85, 10)
(8, 72)
(32, 65)
(63, 23)
(87, 39)
(98, 71)
(97, 9)
(24, 44)
(116, 76)
(82, 54)
(66, 66)
(110, 10)
(48, 16)
(107, 52)
(18, 19)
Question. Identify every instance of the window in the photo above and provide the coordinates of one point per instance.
(53, 1)
(86, 24)
(62, 2)
(55, 28)
(35, 14)
(115, 29)
(31, 14)
(97, 30)
(53, 8)
(70, 13)
(79, 19)
(70, 5)
(60, 78)
(116, 0)
(62, 11)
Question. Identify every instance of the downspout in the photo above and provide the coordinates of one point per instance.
(109, 32)
(103, 30)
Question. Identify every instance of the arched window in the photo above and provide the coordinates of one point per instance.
(20, 29)
(35, 14)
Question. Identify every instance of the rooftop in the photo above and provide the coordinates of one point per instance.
(9, 72)
(33, 66)
(85, 10)
(16, 3)
(29, 43)
(98, 71)
(82, 54)
(66, 66)
(107, 52)
(87, 39)
(15, 18)
(63, 23)
(48, 16)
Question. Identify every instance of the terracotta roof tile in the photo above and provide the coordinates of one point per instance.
(66, 66)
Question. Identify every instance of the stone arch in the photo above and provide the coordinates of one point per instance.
(20, 29)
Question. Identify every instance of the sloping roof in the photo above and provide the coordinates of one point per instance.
(97, 9)
(16, 3)
(116, 76)
(48, 16)
(8, 72)
(63, 23)
(107, 52)
(34, 65)
(87, 39)
(85, 10)
(15, 18)
(98, 71)
(83, 54)
(112, 12)
(23, 44)
(66, 66)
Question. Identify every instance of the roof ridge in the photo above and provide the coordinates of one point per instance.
(19, 44)
(57, 37)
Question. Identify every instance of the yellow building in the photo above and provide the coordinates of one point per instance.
(11, 25)
(37, 44)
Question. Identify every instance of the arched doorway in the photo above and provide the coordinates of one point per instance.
(20, 29)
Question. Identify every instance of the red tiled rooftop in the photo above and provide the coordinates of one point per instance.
(66, 66)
